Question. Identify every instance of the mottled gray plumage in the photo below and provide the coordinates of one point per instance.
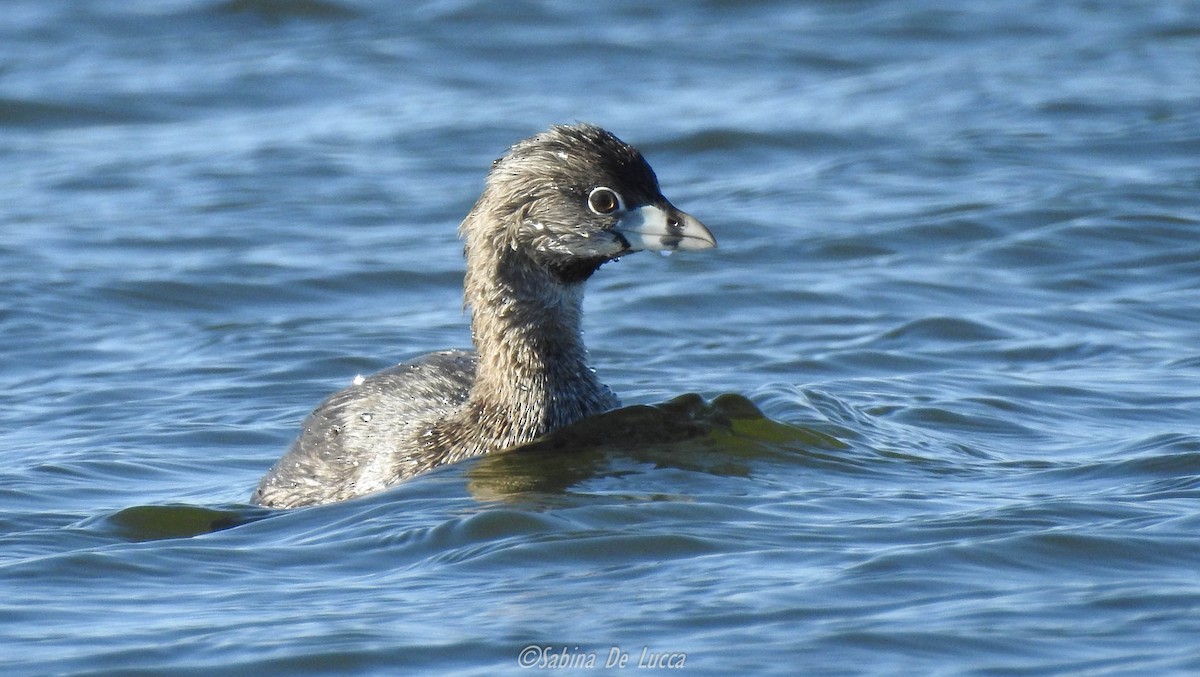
(555, 208)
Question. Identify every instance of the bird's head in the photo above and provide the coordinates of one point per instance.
(572, 198)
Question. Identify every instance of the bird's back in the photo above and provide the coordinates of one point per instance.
(368, 436)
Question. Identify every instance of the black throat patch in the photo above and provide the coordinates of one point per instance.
(575, 271)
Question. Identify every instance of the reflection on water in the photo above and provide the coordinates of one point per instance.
(720, 437)
(155, 522)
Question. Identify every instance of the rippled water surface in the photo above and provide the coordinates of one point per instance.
(933, 406)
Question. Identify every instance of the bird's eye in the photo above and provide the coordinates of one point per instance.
(604, 200)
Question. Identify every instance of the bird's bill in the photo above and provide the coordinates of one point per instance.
(663, 228)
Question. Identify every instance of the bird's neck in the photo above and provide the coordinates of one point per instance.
(532, 360)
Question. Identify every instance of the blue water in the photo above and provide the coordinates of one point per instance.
(933, 406)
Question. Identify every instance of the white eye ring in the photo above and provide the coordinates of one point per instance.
(604, 200)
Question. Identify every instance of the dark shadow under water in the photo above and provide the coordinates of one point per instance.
(721, 437)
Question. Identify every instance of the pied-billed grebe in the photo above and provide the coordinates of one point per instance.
(555, 208)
